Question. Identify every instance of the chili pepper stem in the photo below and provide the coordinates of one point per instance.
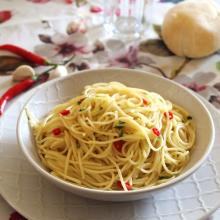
(50, 64)
(14, 91)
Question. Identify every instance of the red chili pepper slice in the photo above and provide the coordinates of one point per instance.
(156, 132)
(65, 112)
(118, 145)
(170, 114)
(127, 184)
(145, 101)
(28, 55)
(13, 91)
(56, 131)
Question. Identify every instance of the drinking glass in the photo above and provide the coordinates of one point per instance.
(124, 17)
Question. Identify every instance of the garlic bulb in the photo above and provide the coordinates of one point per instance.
(191, 28)
(23, 72)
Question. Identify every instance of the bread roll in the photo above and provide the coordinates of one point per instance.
(192, 28)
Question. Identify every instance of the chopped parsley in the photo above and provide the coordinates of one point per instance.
(120, 124)
(121, 132)
(80, 101)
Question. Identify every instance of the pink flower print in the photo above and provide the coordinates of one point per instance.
(200, 84)
(215, 100)
(67, 49)
(98, 46)
(58, 46)
(117, 12)
(78, 66)
(197, 82)
(39, 1)
(195, 86)
(127, 60)
(217, 86)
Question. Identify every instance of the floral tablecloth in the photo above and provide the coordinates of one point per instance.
(63, 30)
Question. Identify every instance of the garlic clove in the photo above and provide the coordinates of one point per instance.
(59, 71)
(23, 72)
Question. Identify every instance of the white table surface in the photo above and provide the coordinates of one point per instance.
(23, 12)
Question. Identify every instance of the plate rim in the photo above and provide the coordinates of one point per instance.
(28, 94)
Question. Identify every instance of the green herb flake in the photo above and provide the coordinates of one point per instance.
(80, 101)
(120, 124)
(121, 132)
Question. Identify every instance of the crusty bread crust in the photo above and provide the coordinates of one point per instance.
(192, 28)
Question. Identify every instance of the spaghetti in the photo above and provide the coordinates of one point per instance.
(114, 137)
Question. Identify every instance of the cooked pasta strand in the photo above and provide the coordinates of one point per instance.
(113, 135)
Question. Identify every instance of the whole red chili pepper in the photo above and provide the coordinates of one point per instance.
(19, 88)
(27, 55)
(13, 91)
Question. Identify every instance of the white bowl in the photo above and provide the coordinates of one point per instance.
(60, 90)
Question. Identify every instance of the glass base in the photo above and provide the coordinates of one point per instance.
(122, 33)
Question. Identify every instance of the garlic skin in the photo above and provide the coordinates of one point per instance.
(23, 72)
(76, 26)
(59, 71)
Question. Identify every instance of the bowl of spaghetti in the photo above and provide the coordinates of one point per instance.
(115, 134)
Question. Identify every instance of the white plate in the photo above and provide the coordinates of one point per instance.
(36, 198)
